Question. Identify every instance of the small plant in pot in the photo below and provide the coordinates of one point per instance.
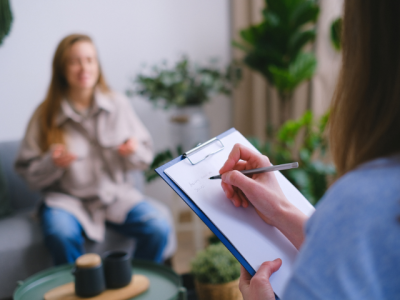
(216, 272)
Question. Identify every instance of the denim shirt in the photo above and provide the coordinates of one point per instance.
(352, 245)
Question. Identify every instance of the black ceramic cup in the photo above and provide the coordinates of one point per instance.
(89, 282)
(117, 269)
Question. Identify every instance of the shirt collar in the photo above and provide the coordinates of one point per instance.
(101, 101)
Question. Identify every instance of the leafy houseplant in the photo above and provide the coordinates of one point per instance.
(160, 159)
(216, 273)
(185, 87)
(274, 47)
(184, 84)
(6, 19)
(312, 176)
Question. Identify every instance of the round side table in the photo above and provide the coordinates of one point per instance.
(165, 284)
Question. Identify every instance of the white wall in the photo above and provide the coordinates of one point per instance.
(127, 33)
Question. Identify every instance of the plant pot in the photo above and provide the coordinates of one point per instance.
(189, 127)
(224, 291)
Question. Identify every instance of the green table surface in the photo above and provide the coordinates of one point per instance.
(165, 284)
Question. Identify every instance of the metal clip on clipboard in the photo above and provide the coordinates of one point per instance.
(199, 147)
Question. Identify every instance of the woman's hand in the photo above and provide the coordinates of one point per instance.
(60, 156)
(128, 147)
(263, 191)
(258, 287)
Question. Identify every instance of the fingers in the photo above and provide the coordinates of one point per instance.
(240, 152)
(269, 267)
(239, 180)
(65, 160)
(245, 277)
(128, 147)
(57, 150)
(61, 157)
(234, 194)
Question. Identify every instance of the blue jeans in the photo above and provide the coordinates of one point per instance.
(64, 235)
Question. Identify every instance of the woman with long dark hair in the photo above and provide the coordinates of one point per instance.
(78, 148)
(349, 248)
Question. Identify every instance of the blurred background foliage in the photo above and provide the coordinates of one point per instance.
(160, 159)
(336, 31)
(185, 84)
(6, 19)
(303, 140)
(215, 265)
(276, 47)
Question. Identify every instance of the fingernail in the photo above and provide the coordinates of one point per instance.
(223, 177)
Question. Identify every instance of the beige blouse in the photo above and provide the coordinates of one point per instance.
(96, 186)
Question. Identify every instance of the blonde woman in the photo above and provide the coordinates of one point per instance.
(78, 148)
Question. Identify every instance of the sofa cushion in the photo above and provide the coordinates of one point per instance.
(21, 197)
(5, 207)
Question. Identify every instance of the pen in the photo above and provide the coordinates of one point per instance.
(266, 169)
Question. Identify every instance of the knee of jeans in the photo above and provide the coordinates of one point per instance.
(159, 228)
(63, 235)
(62, 232)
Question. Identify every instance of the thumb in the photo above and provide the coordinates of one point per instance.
(269, 267)
(239, 180)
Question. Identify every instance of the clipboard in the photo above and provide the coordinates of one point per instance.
(194, 207)
(237, 228)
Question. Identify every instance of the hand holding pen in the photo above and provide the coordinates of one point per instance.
(262, 190)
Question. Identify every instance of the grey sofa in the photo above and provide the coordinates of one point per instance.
(22, 251)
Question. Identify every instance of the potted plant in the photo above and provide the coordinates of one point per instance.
(275, 47)
(186, 88)
(216, 272)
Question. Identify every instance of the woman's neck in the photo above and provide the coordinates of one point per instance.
(81, 99)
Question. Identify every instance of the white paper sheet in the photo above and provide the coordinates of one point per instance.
(255, 240)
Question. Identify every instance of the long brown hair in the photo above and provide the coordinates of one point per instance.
(47, 112)
(365, 116)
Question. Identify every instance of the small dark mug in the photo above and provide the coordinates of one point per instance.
(117, 269)
(89, 280)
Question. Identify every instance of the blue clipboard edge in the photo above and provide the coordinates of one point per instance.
(199, 212)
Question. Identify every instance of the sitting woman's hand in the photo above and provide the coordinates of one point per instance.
(60, 156)
(262, 190)
(258, 287)
(128, 147)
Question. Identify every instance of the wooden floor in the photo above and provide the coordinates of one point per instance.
(186, 250)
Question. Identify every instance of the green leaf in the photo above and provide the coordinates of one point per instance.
(274, 46)
(304, 13)
(303, 68)
(299, 39)
(336, 32)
